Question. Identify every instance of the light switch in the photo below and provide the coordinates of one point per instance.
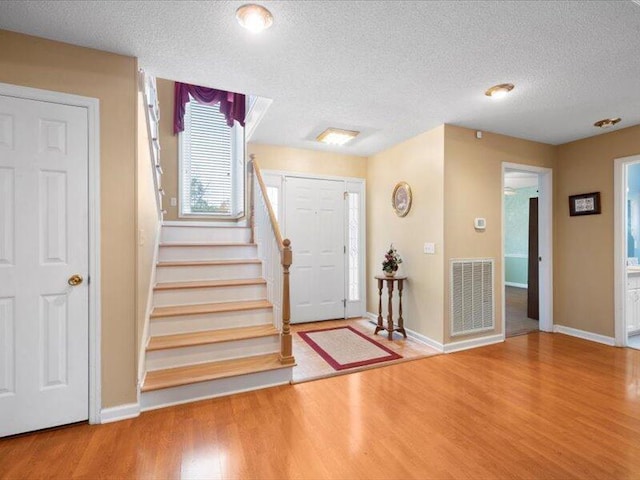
(430, 248)
(174, 201)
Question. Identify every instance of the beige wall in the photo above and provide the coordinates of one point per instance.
(147, 224)
(169, 148)
(272, 157)
(420, 162)
(39, 63)
(583, 246)
(473, 188)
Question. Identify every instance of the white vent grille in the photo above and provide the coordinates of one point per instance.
(471, 296)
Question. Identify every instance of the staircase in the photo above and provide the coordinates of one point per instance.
(211, 330)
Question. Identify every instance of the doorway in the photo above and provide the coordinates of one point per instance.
(627, 251)
(48, 230)
(526, 248)
(323, 216)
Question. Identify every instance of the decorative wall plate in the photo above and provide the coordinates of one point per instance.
(401, 199)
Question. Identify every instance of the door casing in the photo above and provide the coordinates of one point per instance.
(545, 242)
(92, 106)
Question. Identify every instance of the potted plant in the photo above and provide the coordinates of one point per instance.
(391, 262)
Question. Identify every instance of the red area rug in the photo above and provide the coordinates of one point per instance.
(345, 347)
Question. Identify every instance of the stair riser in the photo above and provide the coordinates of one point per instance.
(192, 296)
(180, 357)
(214, 388)
(205, 234)
(211, 321)
(170, 254)
(208, 272)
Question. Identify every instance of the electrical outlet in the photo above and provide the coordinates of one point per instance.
(429, 248)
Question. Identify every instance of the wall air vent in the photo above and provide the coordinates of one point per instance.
(472, 308)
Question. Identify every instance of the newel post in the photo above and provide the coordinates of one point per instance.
(286, 346)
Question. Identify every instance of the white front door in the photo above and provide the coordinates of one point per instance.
(44, 365)
(315, 225)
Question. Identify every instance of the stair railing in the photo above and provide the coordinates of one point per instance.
(276, 255)
(152, 114)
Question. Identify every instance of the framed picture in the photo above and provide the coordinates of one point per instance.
(584, 204)
(401, 199)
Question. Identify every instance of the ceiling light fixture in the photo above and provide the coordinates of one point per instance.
(337, 136)
(509, 191)
(254, 18)
(499, 91)
(607, 122)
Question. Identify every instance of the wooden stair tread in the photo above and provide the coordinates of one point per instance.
(208, 308)
(208, 244)
(210, 283)
(210, 336)
(203, 372)
(196, 263)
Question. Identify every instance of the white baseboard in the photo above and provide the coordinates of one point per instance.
(242, 223)
(517, 285)
(121, 412)
(473, 343)
(594, 337)
(430, 342)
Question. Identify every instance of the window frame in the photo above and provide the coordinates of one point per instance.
(238, 173)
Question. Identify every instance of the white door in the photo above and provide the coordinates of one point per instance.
(314, 223)
(43, 242)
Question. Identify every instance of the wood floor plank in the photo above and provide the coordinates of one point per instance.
(159, 312)
(539, 406)
(210, 283)
(210, 336)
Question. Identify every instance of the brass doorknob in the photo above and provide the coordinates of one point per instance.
(75, 280)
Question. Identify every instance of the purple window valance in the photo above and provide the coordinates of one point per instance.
(232, 105)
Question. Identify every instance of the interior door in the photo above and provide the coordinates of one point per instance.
(314, 222)
(43, 244)
(533, 289)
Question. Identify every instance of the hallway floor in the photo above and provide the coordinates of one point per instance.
(517, 322)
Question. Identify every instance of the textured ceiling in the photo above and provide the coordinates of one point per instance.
(390, 69)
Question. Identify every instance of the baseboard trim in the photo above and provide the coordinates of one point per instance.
(121, 412)
(517, 285)
(473, 343)
(418, 337)
(206, 223)
(593, 337)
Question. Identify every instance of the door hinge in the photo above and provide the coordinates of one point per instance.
(346, 194)
(344, 302)
(345, 248)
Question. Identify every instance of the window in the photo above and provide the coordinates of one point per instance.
(353, 206)
(211, 164)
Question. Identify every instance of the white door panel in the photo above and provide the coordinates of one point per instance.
(314, 219)
(43, 242)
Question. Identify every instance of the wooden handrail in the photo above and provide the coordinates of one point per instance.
(272, 216)
(286, 259)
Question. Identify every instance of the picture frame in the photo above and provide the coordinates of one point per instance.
(401, 199)
(584, 204)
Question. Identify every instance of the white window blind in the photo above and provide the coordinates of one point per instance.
(211, 177)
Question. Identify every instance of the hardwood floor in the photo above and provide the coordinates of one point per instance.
(516, 320)
(537, 406)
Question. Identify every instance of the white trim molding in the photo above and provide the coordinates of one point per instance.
(473, 343)
(418, 337)
(92, 106)
(121, 412)
(593, 337)
(620, 246)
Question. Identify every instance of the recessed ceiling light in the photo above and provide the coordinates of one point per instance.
(254, 18)
(607, 122)
(337, 136)
(499, 91)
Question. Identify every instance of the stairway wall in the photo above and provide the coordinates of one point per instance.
(148, 232)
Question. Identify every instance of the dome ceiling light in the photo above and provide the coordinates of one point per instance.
(254, 18)
(499, 91)
(607, 122)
